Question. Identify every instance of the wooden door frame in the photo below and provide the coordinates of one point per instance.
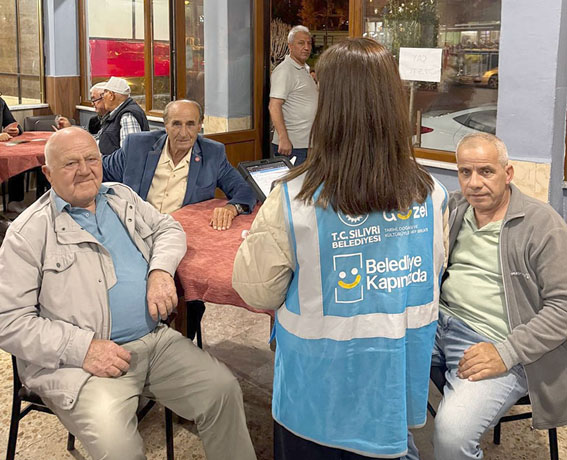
(256, 134)
(356, 29)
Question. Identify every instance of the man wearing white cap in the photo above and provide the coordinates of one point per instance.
(96, 121)
(125, 116)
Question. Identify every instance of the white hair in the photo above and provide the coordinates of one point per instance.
(295, 30)
(478, 138)
(99, 86)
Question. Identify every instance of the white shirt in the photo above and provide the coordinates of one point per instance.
(291, 82)
(169, 184)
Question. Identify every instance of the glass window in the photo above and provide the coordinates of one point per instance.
(483, 120)
(465, 100)
(20, 44)
(161, 90)
(115, 31)
(195, 51)
(213, 57)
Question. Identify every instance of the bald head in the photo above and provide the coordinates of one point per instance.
(73, 167)
(64, 139)
(180, 104)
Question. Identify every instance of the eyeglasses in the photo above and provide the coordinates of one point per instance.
(96, 100)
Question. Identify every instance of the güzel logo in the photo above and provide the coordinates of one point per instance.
(418, 211)
(352, 221)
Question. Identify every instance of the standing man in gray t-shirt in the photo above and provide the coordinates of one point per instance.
(293, 98)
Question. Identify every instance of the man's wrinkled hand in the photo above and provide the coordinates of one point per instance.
(285, 147)
(222, 217)
(161, 294)
(63, 122)
(481, 361)
(12, 129)
(105, 358)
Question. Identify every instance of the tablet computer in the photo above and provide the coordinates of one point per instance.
(261, 174)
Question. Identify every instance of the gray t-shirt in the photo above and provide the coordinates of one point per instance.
(291, 82)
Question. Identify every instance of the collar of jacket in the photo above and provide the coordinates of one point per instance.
(114, 113)
(459, 205)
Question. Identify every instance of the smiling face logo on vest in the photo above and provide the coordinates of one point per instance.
(348, 267)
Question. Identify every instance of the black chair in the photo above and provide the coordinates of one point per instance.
(437, 375)
(41, 123)
(22, 394)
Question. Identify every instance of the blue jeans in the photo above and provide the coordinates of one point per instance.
(468, 409)
(299, 154)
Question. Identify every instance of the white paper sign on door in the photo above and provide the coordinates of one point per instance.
(421, 64)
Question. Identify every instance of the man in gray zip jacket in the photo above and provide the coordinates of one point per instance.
(503, 311)
(87, 273)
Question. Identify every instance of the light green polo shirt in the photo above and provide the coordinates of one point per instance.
(473, 290)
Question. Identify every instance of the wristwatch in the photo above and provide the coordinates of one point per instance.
(239, 208)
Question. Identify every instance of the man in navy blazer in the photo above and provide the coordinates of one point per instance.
(177, 167)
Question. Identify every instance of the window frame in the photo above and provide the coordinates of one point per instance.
(19, 75)
(241, 145)
(356, 29)
(148, 54)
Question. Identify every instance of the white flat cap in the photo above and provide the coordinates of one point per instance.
(117, 85)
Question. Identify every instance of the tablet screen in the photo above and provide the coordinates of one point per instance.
(265, 174)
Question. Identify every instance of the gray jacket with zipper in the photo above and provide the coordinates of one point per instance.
(533, 248)
(54, 281)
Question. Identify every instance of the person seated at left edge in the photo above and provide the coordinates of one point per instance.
(180, 167)
(87, 275)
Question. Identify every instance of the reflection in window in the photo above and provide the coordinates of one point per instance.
(20, 44)
(195, 52)
(120, 46)
(465, 99)
(116, 43)
(161, 92)
(131, 39)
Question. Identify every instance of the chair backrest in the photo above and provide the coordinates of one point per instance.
(41, 123)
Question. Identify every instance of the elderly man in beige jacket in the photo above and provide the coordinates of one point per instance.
(87, 274)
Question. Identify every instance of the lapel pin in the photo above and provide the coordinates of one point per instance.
(197, 158)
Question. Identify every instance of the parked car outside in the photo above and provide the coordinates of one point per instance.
(443, 131)
(490, 78)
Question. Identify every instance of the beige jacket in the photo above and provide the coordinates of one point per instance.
(264, 262)
(54, 286)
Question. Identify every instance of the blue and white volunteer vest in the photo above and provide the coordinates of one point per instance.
(356, 331)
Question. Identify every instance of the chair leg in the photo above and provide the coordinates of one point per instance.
(4, 197)
(553, 449)
(497, 433)
(169, 433)
(199, 336)
(195, 311)
(70, 442)
(14, 424)
(431, 410)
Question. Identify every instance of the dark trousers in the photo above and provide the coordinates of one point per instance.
(16, 188)
(299, 154)
(288, 446)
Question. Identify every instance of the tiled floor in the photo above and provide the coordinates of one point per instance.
(239, 338)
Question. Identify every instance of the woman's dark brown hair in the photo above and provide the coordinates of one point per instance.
(361, 148)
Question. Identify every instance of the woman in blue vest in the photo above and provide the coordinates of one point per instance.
(349, 251)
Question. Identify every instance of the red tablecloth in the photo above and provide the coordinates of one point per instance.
(17, 158)
(205, 272)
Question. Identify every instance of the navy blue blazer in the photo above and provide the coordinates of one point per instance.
(135, 163)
